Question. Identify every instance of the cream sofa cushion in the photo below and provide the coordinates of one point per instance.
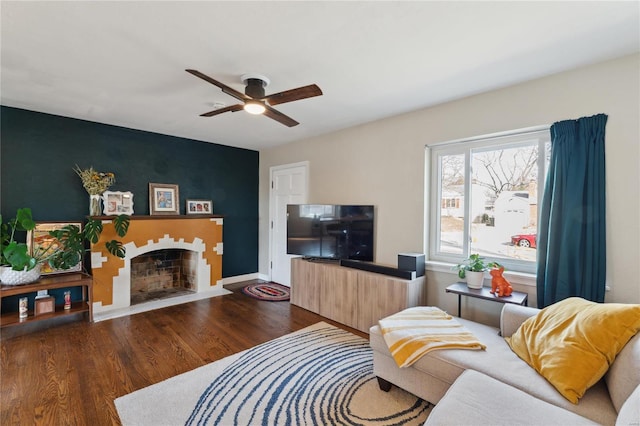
(478, 399)
(624, 374)
(630, 412)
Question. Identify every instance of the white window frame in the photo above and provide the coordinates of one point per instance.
(433, 186)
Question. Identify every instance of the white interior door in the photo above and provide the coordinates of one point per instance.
(288, 186)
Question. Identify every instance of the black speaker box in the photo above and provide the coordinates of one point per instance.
(412, 262)
(379, 269)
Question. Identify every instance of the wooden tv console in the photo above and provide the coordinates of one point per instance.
(350, 296)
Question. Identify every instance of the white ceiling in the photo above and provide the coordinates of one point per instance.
(123, 63)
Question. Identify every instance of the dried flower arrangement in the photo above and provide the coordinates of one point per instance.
(95, 182)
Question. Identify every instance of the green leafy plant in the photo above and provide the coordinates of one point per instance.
(14, 253)
(474, 263)
(67, 254)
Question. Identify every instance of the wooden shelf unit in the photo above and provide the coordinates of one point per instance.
(351, 296)
(50, 282)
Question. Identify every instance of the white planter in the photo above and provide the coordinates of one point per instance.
(474, 279)
(10, 277)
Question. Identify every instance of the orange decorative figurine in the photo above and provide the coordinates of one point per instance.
(499, 284)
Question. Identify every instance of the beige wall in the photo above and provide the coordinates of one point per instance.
(382, 163)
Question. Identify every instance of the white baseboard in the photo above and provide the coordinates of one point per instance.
(245, 277)
(240, 278)
(157, 304)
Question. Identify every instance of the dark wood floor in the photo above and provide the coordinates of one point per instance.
(69, 374)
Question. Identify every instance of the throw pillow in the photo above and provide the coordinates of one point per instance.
(573, 342)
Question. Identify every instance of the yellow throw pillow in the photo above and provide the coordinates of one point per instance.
(573, 342)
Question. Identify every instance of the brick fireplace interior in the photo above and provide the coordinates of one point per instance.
(163, 273)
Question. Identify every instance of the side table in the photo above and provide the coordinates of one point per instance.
(484, 293)
(49, 282)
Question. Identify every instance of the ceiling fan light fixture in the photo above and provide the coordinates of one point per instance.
(254, 100)
(254, 107)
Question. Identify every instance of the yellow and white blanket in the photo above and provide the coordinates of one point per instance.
(416, 331)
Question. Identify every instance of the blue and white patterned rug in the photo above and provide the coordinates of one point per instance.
(320, 375)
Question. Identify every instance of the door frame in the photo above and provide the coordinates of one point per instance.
(272, 170)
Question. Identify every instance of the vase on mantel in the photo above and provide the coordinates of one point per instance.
(95, 209)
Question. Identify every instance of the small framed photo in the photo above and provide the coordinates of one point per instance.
(164, 198)
(199, 207)
(40, 242)
(44, 305)
(116, 203)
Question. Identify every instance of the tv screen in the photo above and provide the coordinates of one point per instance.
(330, 231)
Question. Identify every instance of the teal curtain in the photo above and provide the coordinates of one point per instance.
(571, 230)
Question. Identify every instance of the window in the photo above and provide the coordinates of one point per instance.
(484, 195)
(317, 211)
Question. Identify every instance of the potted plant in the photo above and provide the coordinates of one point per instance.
(19, 265)
(473, 269)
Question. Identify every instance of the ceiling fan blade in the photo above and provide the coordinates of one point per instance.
(232, 108)
(226, 89)
(293, 95)
(279, 117)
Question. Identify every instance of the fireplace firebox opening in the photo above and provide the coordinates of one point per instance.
(163, 273)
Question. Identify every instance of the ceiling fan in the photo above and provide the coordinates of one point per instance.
(255, 101)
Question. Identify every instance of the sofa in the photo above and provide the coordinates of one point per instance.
(495, 386)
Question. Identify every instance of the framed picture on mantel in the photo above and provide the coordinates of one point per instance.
(117, 202)
(164, 198)
(199, 207)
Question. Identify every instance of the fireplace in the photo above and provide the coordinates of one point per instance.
(161, 274)
(152, 243)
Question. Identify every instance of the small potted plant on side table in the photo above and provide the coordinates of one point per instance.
(473, 269)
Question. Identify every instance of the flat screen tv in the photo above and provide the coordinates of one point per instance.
(327, 231)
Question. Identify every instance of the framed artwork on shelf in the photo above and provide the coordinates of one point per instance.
(39, 241)
(44, 305)
(199, 207)
(117, 202)
(164, 198)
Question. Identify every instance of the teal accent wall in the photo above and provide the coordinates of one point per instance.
(38, 152)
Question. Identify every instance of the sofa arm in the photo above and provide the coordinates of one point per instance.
(512, 316)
